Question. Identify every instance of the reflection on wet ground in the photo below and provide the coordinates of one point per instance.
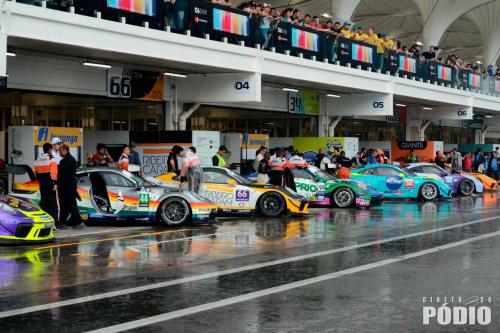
(113, 258)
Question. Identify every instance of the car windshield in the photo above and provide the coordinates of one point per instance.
(321, 174)
(18, 204)
(240, 178)
(141, 182)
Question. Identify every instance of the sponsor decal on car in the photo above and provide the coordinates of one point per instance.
(393, 183)
(242, 195)
(409, 183)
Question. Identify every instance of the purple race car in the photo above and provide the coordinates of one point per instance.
(460, 184)
(24, 223)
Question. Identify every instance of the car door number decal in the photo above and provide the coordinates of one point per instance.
(242, 195)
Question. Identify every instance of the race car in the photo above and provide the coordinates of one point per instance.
(461, 184)
(488, 182)
(24, 223)
(323, 189)
(236, 194)
(109, 194)
(399, 184)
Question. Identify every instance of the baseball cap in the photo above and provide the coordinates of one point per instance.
(346, 23)
(332, 150)
(265, 4)
(56, 140)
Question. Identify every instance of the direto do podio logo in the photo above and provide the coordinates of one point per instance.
(449, 311)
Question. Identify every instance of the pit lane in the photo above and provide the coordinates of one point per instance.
(196, 278)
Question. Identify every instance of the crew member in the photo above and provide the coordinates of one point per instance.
(440, 160)
(123, 161)
(46, 173)
(56, 144)
(101, 158)
(191, 170)
(67, 190)
(172, 161)
(134, 157)
(218, 159)
(412, 157)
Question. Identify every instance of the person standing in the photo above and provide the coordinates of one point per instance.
(46, 173)
(67, 190)
(259, 156)
(218, 159)
(264, 168)
(56, 144)
(412, 157)
(101, 158)
(172, 159)
(124, 160)
(191, 170)
(440, 160)
(456, 160)
(134, 157)
(467, 162)
(176, 14)
(493, 166)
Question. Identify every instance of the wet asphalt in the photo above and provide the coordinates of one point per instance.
(333, 271)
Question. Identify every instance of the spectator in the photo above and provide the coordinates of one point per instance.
(296, 16)
(306, 22)
(371, 38)
(381, 158)
(291, 152)
(101, 158)
(46, 174)
(372, 157)
(134, 158)
(363, 157)
(431, 54)
(172, 159)
(264, 168)
(319, 158)
(456, 160)
(467, 162)
(412, 157)
(69, 214)
(343, 161)
(277, 169)
(176, 14)
(219, 158)
(346, 30)
(440, 160)
(265, 23)
(493, 166)
(123, 161)
(286, 15)
(479, 160)
(337, 28)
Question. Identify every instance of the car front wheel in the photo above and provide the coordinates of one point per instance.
(429, 192)
(174, 211)
(466, 187)
(343, 197)
(271, 205)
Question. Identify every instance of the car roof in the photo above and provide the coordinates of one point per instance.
(418, 164)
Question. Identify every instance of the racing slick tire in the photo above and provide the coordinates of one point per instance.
(271, 204)
(466, 187)
(174, 211)
(343, 197)
(429, 192)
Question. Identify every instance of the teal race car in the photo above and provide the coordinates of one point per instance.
(396, 183)
(323, 189)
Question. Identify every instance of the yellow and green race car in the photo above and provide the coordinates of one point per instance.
(23, 223)
(236, 194)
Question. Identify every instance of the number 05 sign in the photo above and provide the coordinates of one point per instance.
(134, 84)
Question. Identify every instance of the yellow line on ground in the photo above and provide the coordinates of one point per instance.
(110, 239)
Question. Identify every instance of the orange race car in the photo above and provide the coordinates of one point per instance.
(488, 182)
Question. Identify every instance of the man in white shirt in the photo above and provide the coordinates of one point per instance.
(260, 156)
(56, 144)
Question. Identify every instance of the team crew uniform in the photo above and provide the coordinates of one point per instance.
(123, 162)
(46, 173)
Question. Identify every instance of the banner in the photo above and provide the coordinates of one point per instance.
(356, 53)
(230, 22)
(144, 7)
(347, 144)
(305, 40)
(497, 86)
(407, 64)
(304, 102)
(254, 141)
(476, 122)
(73, 137)
(128, 83)
(474, 81)
(443, 73)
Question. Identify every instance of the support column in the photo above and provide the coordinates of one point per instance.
(486, 18)
(421, 132)
(3, 54)
(169, 116)
(412, 130)
(344, 9)
(331, 128)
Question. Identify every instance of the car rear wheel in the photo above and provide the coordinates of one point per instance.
(429, 192)
(174, 211)
(271, 205)
(343, 197)
(466, 187)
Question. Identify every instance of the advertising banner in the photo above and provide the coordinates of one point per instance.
(474, 81)
(304, 40)
(129, 83)
(304, 102)
(250, 143)
(305, 144)
(476, 122)
(425, 150)
(144, 7)
(281, 37)
(356, 53)
(400, 63)
(73, 137)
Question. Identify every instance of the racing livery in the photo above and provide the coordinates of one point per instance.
(399, 184)
(114, 194)
(23, 223)
(461, 184)
(323, 189)
(234, 193)
(488, 182)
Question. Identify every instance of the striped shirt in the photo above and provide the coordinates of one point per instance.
(46, 164)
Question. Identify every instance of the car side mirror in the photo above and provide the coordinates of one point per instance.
(402, 175)
(231, 182)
